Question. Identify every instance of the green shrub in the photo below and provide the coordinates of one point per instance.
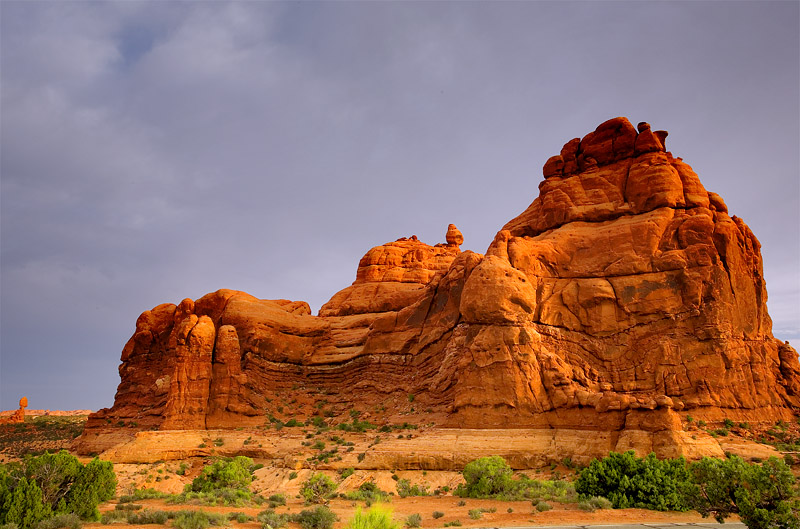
(271, 520)
(437, 514)
(128, 506)
(143, 494)
(226, 496)
(454, 523)
(113, 517)
(598, 502)
(292, 475)
(762, 495)
(148, 516)
(630, 481)
(239, 517)
(377, 517)
(413, 521)
(346, 472)
(369, 492)
(233, 473)
(60, 521)
(276, 500)
(486, 477)
(405, 489)
(543, 506)
(320, 517)
(475, 514)
(317, 488)
(197, 519)
(356, 426)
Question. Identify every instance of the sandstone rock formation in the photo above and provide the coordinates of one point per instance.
(17, 416)
(622, 299)
(393, 276)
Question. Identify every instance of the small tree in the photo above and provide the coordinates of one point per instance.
(95, 484)
(24, 506)
(630, 481)
(317, 488)
(55, 474)
(51, 484)
(487, 476)
(762, 495)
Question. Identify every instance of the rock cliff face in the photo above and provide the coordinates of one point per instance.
(623, 298)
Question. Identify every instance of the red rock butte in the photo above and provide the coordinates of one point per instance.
(622, 300)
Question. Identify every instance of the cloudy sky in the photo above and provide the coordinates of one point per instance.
(153, 151)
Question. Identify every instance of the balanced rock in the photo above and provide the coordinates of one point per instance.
(621, 300)
(18, 416)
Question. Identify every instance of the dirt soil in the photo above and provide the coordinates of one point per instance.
(523, 513)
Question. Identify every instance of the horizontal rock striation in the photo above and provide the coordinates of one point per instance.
(622, 299)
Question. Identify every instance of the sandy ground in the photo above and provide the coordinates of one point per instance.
(523, 513)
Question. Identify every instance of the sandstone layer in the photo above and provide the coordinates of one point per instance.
(624, 298)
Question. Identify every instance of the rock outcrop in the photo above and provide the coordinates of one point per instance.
(393, 276)
(622, 299)
(17, 416)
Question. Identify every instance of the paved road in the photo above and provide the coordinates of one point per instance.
(704, 525)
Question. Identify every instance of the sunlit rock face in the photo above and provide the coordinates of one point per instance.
(623, 298)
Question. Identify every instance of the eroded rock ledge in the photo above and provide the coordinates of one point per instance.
(622, 299)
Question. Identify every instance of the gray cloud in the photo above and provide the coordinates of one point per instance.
(153, 151)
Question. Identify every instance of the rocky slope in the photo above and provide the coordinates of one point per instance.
(623, 298)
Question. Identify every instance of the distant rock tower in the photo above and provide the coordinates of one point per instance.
(19, 415)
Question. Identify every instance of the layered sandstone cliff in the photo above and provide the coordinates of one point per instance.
(622, 298)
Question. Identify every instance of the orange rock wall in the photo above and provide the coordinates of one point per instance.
(623, 297)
